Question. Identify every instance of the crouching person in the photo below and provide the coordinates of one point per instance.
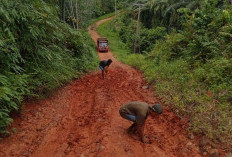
(137, 112)
(104, 65)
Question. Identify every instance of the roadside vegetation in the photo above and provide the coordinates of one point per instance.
(184, 49)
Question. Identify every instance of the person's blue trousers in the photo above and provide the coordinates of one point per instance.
(130, 117)
(100, 67)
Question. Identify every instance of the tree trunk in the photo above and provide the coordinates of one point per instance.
(77, 16)
(115, 8)
(72, 14)
(137, 31)
(63, 10)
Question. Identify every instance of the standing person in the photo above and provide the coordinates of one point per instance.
(138, 112)
(104, 65)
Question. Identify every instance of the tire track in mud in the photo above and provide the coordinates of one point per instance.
(82, 120)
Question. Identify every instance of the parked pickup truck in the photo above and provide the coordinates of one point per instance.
(102, 45)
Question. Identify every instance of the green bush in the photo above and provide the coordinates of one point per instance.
(140, 60)
(12, 87)
(148, 38)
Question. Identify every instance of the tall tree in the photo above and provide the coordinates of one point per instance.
(137, 29)
(166, 10)
(77, 19)
(63, 10)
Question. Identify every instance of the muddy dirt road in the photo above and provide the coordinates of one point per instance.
(82, 120)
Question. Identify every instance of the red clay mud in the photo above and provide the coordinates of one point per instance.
(82, 119)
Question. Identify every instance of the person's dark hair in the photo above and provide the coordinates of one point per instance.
(109, 61)
(157, 108)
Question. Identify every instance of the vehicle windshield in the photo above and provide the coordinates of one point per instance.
(103, 44)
